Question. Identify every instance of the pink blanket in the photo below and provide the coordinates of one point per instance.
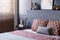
(32, 35)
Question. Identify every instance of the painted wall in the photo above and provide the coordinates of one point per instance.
(41, 14)
(24, 5)
(57, 2)
(44, 14)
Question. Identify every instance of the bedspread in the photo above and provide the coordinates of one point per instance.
(32, 35)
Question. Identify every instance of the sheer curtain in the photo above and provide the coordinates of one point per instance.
(6, 6)
(6, 9)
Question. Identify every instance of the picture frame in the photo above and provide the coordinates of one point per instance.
(46, 4)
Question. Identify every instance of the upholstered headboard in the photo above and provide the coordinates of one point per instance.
(53, 24)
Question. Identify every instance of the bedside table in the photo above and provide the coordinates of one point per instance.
(21, 28)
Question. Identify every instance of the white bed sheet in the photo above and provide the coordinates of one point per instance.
(29, 30)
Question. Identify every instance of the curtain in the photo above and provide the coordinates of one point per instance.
(6, 9)
(6, 6)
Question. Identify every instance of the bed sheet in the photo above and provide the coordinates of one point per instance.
(29, 30)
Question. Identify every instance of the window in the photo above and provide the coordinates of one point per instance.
(6, 6)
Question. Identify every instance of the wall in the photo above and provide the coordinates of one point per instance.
(43, 14)
(57, 2)
(24, 5)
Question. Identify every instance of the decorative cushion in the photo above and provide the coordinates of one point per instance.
(43, 30)
(55, 27)
(34, 24)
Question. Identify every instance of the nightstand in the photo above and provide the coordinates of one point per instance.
(20, 27)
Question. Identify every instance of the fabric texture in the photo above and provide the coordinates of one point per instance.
(55, 27)
(43, 30)
(9, 36)
(38, 22)
(43, 23)
(32, 35)
(34, 25)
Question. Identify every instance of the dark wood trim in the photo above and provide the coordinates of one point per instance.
(53, 2)
(18, 11)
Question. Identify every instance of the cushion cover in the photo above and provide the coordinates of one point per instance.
(43, 30)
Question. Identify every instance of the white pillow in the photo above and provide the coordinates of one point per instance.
(43, 30)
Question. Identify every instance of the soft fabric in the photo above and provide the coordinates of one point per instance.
(9, 36)
(34, 24)
(43, 30)
(29, 30)
(32, 35)
(43, 22)
(55, 27)
(38, 22)
(59, 27)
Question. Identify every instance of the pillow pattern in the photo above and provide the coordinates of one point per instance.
(43, 22)
(55, 27)
(43, 30)
(34, 24)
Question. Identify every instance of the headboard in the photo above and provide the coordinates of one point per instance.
(52, 24)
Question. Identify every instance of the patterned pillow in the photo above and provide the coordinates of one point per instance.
(55, 27)
(43, 23)
(34, 25)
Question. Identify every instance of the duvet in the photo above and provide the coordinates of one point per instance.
(23, 35)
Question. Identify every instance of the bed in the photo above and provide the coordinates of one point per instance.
(31, 34)
(55, 37)
(27, 34)
(22, 35)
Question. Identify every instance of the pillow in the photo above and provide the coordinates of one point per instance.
(34, 25)
(43, 30)
(55, 27)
